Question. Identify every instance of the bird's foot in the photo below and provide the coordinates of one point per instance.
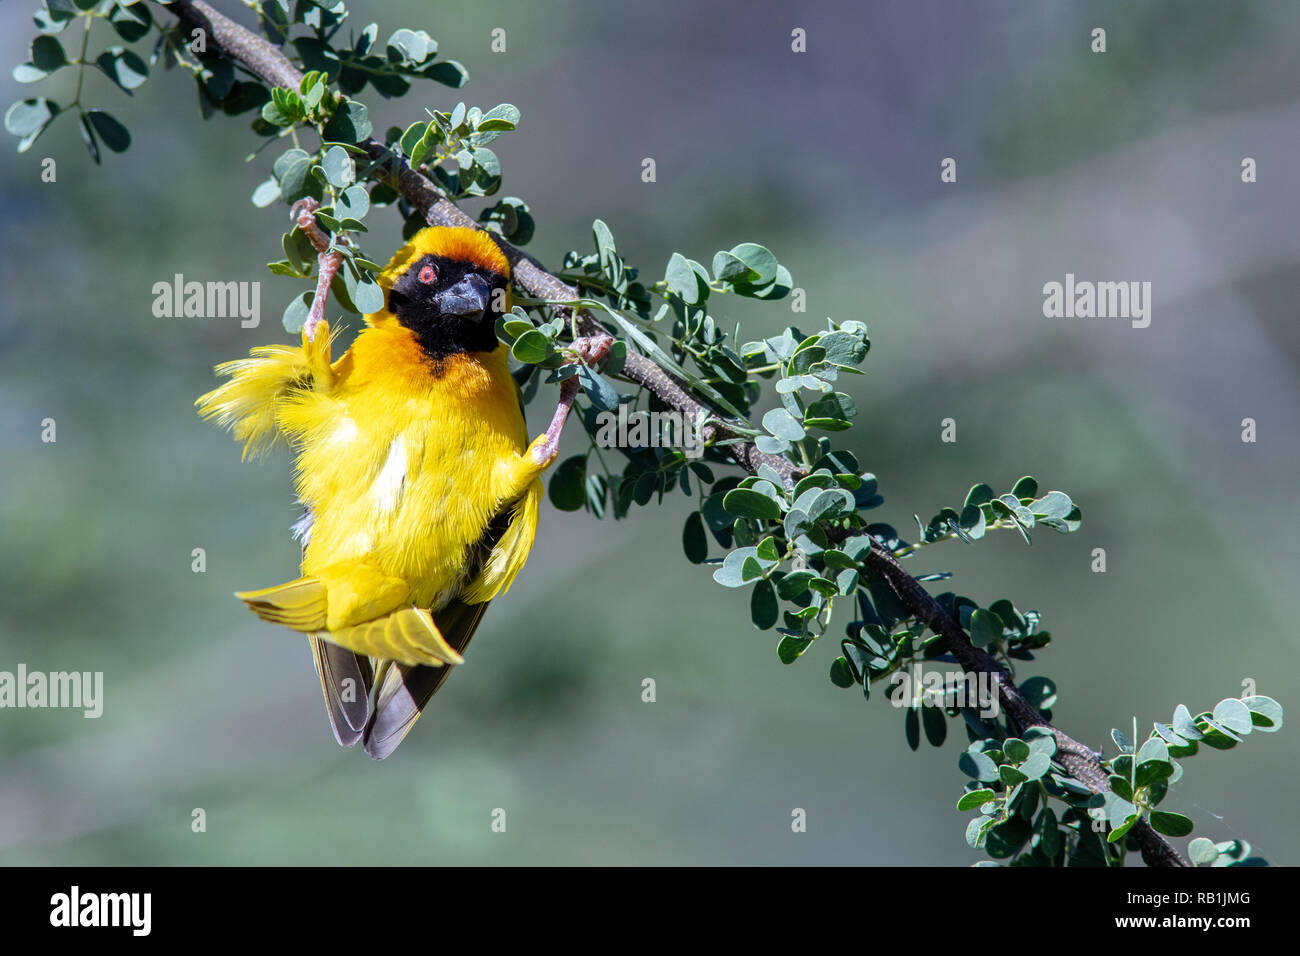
(591, 350)
(304, 211)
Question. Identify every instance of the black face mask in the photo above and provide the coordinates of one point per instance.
(447, 304)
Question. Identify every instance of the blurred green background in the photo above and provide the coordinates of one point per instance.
(1118, 166)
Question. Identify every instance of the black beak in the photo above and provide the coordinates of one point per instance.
(468, 298)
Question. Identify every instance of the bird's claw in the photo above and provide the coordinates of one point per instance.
(592, 350)
(329, 260)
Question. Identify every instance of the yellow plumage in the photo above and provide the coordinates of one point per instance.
(422, 490)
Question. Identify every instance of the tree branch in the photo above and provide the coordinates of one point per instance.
(265, 61)
(1079, 760)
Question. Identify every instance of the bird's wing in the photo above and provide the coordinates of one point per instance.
(260, 384)
(403, 691)
(500, 556)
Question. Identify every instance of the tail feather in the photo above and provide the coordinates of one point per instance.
(345, 680)
(402, 691)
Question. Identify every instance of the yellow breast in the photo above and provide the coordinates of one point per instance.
(404, 463)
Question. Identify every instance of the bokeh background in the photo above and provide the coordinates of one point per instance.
(1117, 166)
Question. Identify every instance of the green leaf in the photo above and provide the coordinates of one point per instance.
(55, 17)
(354, 203)
(978, 495)
(27, 119)
(790, 648)
(1167, 733)
(516, 327)
(600, 392)
(766, 549)
(1121, 787)
(974, 799)
(985, 628)
(730, 268)
(568, 489)
(976, 831)
(1118, 833)
(747, 503)
(295, 314)
(783, 425)
(606, 250)
(1153, 748)
(290, 170)
(339, 168)
(113, 133)
(762, 605)
(266, 193)
(1118, 810)
(1234, 715)
(738, 568)
(448, 72)
(1265, 713)
(284, 268)
(1152, 772)
(123, 67)
(1015, 749)
(794, 584)
(1171, 824)
(1010, 775)
(88, 137)
(1041, 740)
(368, 296)
(1202, 852)
(831, 413)
(298, 250)
(936, 728)
(759, 259)
(1036, 766)
(532, 347)
(45, 57)
(1054, 504)
(1040, 691)
(681, 279)
(1026, 487)
(694, 540)
(273, 113)
(502, 117)
(842, 673)
(349, 124)
(1184, 725)
(413, 143)
(977, 765)
(131, 20)
(410, 46)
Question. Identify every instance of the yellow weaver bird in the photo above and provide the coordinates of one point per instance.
(421, 488)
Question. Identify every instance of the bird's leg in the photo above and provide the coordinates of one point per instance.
(330, 260)
(592, 350)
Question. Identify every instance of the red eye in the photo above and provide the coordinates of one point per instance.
(428, 274)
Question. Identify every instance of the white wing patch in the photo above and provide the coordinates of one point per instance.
(389, 484)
